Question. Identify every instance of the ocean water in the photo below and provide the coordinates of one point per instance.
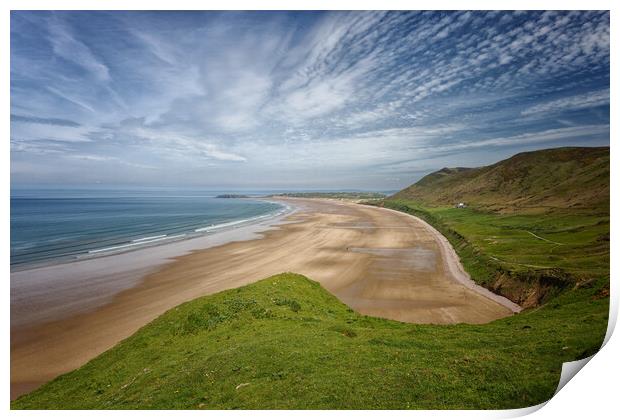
(49, 226)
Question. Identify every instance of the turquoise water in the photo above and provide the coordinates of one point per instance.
(61, 225)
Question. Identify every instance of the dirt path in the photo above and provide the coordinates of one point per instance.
(543, 239)
(379, 262)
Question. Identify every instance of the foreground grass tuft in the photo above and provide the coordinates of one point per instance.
(285, 342)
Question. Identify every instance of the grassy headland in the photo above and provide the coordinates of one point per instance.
(285, 342)
(351, 196)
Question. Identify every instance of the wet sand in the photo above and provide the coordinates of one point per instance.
(377, 261)
(52, 292)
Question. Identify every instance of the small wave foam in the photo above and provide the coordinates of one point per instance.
(157, 238)
(149, 238)
(136, 242)
(236, 222)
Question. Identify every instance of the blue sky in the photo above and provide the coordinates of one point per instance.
(366, 100)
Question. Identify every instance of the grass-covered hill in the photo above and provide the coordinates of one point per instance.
(285, 342)
(536, 224)
(565, 178)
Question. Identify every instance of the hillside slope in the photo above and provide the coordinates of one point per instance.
(536, 223)
(285, 342)
(574, 178)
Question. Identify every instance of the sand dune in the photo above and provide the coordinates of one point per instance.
(379, 262)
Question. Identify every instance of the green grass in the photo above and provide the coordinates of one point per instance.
(576, 243)
(285, 342)
(505, 252)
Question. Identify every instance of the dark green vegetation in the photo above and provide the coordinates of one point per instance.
(336, 195)
(570, 178)
(536, 224)
(285, 342)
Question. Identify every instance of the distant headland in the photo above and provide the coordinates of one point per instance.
(232, 196)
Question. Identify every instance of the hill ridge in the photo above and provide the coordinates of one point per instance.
(547, 179)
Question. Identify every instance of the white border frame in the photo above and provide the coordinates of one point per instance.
(591, 394)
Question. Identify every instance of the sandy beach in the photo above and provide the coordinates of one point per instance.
(377, 261)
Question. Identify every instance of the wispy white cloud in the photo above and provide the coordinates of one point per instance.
(107, 159)
(72, 99)
(171, 145)
(160, 49)
(526, 139)
(574, 102)
(26, 131)
(66, 46)
(47, 121)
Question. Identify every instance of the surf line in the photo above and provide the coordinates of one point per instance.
(135, 243)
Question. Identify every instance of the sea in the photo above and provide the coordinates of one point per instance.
(50, 226)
